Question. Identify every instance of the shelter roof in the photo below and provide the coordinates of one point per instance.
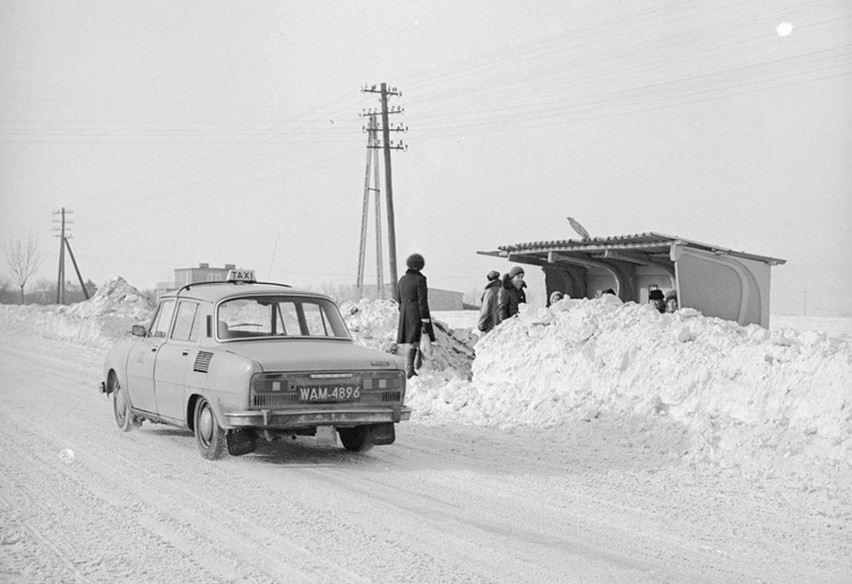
(650, 242)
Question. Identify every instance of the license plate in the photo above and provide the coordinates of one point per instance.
(328, 393)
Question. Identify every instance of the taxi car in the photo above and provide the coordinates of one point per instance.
(240, 361)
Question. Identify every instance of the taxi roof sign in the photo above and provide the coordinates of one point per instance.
(241, 276)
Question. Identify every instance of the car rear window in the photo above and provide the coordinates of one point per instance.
(279, 316)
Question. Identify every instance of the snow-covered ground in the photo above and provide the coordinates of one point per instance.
(743, 430)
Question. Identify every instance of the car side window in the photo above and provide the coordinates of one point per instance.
(186, 328)
(160, 326)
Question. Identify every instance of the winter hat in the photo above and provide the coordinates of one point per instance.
(415, 262)
(515, 271)
(492, 275)
(656, 294)
(671, 295)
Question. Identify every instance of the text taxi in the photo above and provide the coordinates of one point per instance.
(239, 361)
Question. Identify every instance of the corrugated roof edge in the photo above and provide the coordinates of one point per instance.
(650, 238)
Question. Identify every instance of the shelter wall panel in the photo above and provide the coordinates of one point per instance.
(722, 286)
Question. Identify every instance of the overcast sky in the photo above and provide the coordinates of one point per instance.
(229, 132)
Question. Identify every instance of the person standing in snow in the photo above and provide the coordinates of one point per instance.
(489, 313)
(657, 298)
(414, 317)
(511, 294)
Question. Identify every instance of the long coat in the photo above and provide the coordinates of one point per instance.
(489, 312)
(411, 294)
(510, 297)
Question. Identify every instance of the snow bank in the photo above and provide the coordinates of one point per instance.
(99, 321)
(743, 392)
(116, 298)
(373, 323)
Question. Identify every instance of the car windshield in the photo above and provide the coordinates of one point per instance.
(279, 316)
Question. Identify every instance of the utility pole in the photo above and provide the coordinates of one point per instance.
(372, 171)
(64, 244)
(387, 146)
(60, 280)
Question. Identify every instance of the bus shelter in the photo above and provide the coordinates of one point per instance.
(715, 280)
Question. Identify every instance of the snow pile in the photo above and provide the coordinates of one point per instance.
(99, 321)
(116, 298)
(373, 323)
(743, 392)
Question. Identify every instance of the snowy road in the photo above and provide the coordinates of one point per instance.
(612, 500)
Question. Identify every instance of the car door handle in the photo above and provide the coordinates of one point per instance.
(184, 353)
(154, 350)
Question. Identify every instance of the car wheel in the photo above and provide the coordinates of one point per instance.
(208, 433)
(124, 417)
(357, 439)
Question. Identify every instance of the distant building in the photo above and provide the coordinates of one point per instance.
(445, 299)
(203, 273)
(438, 299)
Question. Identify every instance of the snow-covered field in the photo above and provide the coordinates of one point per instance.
(591, 442)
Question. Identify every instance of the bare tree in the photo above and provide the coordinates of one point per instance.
(23, 259)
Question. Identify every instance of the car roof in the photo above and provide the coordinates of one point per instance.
(216, 291)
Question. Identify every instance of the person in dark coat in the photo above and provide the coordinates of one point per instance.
(658, 299)
(414, 317)
(489, 313)
(512, 294)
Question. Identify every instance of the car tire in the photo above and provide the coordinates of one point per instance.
(208, 433)
(357, 439)
(124, 418)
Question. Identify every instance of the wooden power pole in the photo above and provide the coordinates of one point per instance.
(64, 244)
(372, 171)
(386, 145)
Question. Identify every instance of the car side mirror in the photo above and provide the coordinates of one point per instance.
(138, 330)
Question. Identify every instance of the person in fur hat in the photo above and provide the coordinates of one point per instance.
(556, 296)
(414, 317)
(658, 299)
(489, 313)
(511, 294)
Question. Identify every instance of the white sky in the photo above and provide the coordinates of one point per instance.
(207, 131)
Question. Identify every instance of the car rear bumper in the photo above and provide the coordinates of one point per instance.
(316, 417)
